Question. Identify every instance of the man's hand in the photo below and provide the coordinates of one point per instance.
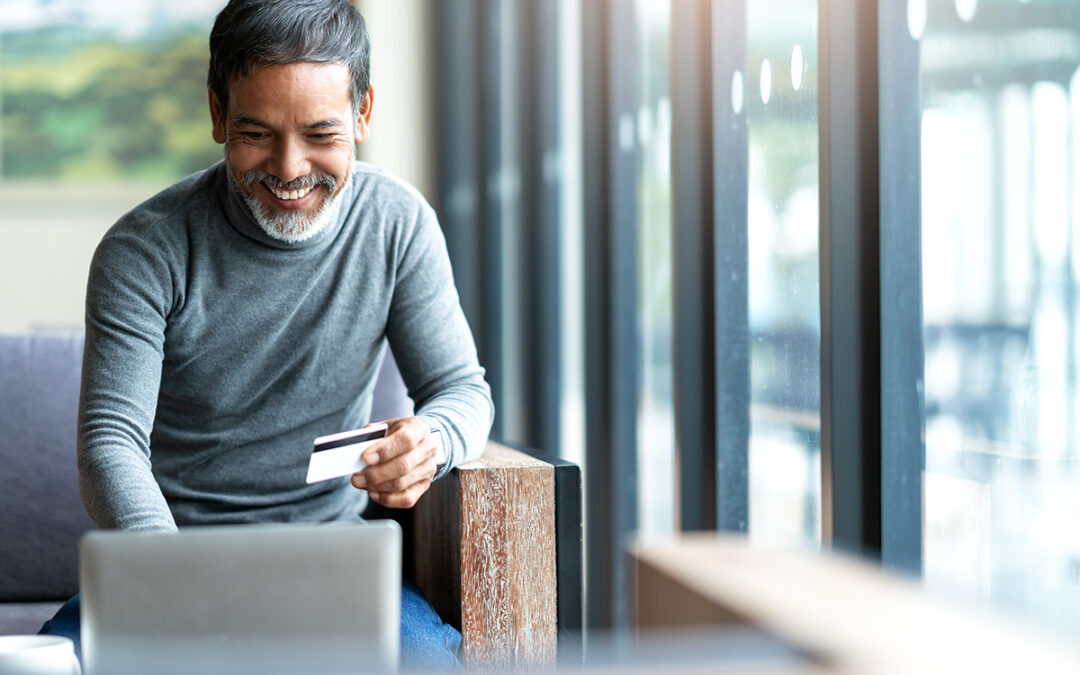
(401, 466)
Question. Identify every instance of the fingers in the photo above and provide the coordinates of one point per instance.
(405, 455)
(398, 474)
(402, 436)
(405, 499)
(401, 467)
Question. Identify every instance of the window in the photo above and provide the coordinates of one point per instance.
(1000, 165)
(990, 342)
(778, 91)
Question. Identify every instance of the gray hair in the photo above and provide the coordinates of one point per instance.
(252, 33)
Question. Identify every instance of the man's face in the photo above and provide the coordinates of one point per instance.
(290, 134)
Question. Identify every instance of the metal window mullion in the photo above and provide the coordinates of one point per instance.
(850, 282)
(526, 43)
(595, 210)
(541, 194)
(692, 220)
(624, 359)
(731, 162)
(549, 244)
(902, 404)
(489, 138)
(611, 381)
(456, 76)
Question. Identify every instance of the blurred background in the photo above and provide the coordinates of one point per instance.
(544, 134)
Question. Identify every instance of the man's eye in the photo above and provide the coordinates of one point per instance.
(322, 137)
(253, 135)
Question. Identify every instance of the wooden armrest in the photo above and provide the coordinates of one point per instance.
(484, 538)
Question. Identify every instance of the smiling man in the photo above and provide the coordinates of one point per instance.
(243, 312)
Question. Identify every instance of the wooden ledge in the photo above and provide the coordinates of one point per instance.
(486, 557)
(500, 457)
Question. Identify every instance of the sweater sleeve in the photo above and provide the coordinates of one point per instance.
(434, 347)
(129, 294)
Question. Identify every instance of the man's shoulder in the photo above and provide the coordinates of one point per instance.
(375, 184)
(148, 246)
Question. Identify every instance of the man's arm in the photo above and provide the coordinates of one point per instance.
(437, 358)
(128, 297)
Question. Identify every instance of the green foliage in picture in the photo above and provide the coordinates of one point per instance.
(105, 110)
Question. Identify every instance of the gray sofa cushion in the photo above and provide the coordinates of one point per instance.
(41, 515)
(391, 398)
(25, 618)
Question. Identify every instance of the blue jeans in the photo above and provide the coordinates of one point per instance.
(426, 642)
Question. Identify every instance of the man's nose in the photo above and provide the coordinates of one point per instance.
(289, 161)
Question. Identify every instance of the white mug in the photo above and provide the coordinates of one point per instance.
(37, 655)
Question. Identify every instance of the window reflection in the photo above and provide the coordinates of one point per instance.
(781, 105)
(999, 201)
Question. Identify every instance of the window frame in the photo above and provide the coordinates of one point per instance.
(611, 89)
(903, 411)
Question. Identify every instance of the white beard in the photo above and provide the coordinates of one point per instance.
(291, 227)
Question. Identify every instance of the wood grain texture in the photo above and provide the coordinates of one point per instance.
(486, 557)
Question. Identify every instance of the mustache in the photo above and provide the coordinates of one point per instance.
(310, 180)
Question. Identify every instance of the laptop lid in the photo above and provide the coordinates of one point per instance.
(237, 599)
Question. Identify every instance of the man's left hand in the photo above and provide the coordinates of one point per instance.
(401, 466)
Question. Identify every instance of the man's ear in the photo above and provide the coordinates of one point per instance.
(363, 120)
(217, 115)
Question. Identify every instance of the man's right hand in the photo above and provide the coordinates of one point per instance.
(400, 467)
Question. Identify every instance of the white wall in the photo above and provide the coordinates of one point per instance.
(401, 56)
(48, 232)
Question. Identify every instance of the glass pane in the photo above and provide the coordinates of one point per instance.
(780, 94)
(572, 236)
(1001, 102)
(656, 416)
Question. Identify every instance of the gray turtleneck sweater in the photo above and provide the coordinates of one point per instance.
(216, 354)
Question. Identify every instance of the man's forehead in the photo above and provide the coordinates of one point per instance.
(313, 91)
(258, 68)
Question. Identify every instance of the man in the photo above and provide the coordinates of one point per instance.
(244, 311)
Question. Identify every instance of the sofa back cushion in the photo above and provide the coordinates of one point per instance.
(41, 514)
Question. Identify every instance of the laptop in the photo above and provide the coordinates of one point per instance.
(242, 599)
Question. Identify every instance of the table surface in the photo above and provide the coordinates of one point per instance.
(853, 615)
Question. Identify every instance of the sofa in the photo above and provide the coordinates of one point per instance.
(476, 543)
(41, 517)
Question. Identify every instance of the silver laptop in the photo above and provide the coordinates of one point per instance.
(242, 599)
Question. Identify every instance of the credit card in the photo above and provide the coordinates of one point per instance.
(339, 454)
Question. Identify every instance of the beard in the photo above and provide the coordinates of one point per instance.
(291, 227)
